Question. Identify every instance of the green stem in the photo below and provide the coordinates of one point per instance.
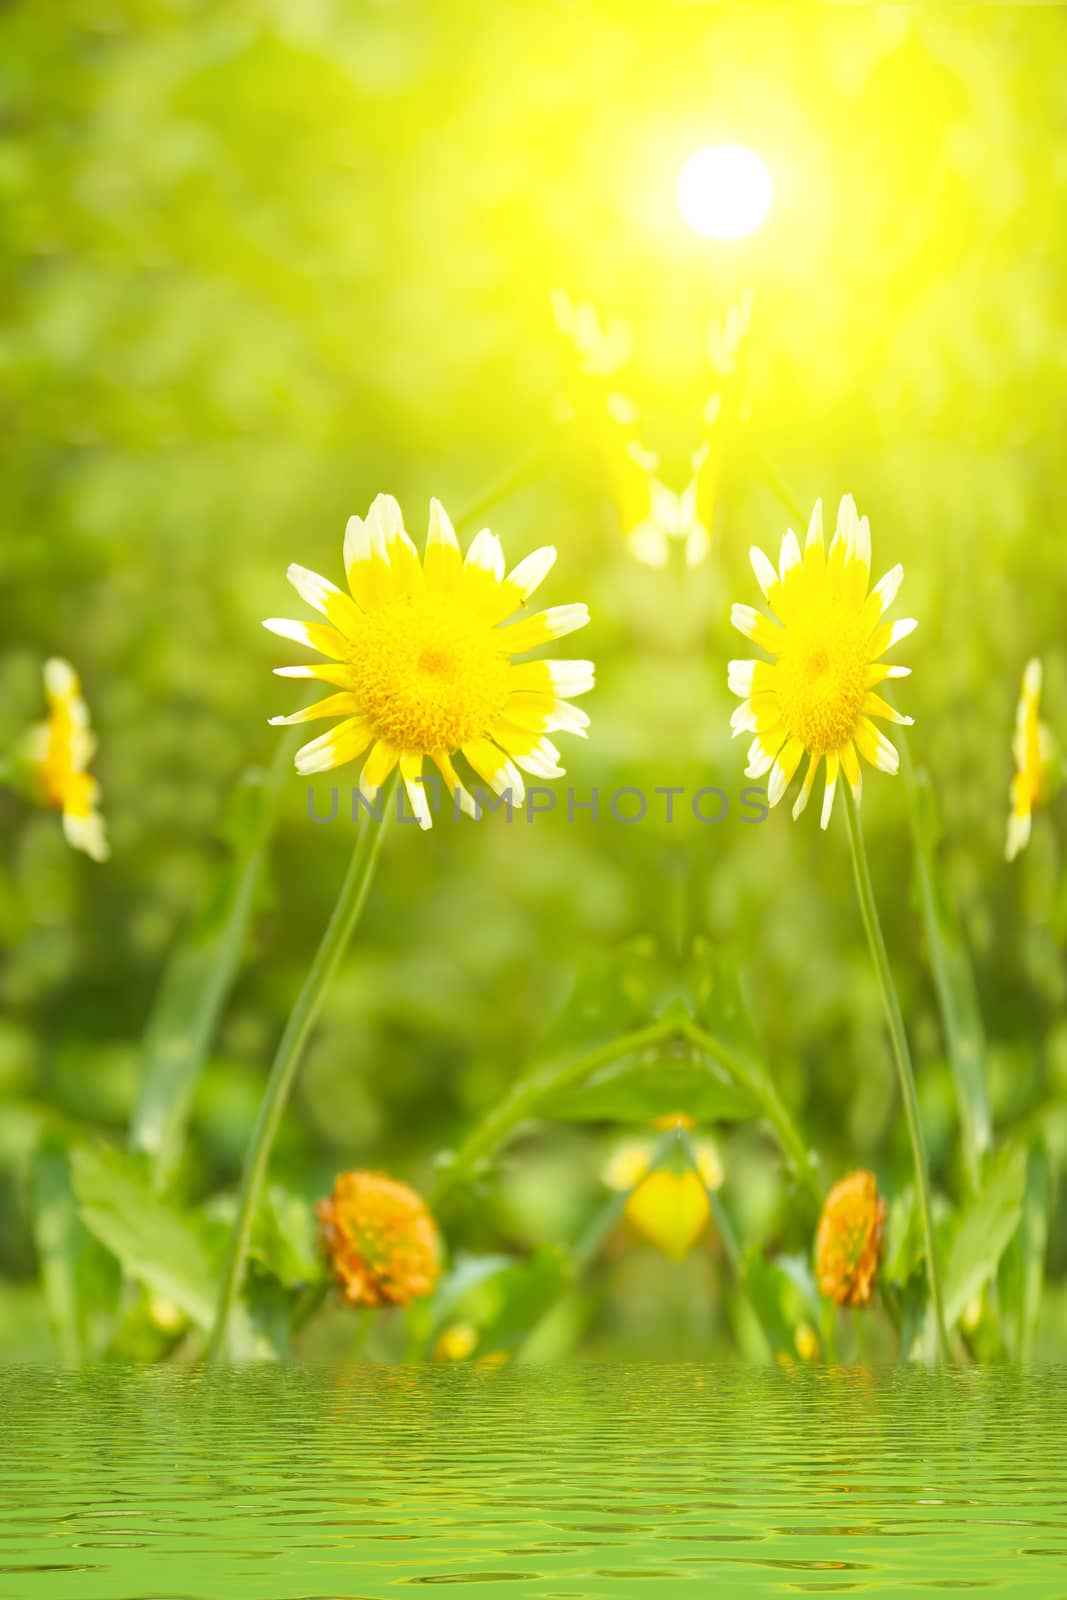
(525, 1097)
(346, 913)
(763, 1091)
(731, 1246)
(902, 1057)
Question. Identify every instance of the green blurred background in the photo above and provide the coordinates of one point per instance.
(265, 258)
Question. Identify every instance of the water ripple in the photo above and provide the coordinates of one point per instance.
(586, 1483)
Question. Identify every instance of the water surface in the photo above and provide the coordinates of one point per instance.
(592, 1481)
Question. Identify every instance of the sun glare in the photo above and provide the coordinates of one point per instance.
(725, 191)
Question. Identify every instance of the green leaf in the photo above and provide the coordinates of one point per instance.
(79, 1289)
(466, 1274)
(719, 1007)
(1023, 1267)
(904, 1251)
(285, 1237)
(954, 980)
(613, 994)
(23, 1126)
(201, 973)
(976, 1238)
(261, 1328)
(504, 1298)
(641, 1090)
(767, 1289)
(156, 1244)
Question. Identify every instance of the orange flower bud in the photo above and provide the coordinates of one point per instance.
(848, 1245)
(380, 1240)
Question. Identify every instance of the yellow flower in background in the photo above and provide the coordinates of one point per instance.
(423, 661)
(58, 753)
(1032, 750)
(806, 1342)
(848, 1245)
(597, 348)
(728, 338)
(652, 514)
(817, 697)
(671, 1209)
(456, 1343)
(380, 1240)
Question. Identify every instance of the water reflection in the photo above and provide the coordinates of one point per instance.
(588, 1481)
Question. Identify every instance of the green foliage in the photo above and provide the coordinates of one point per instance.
(79, 1281)
(641, 1091)
(200, 974)
(954, 977)
(501, 1297)
(1023, 1266)
(157, 1246)
(977, 1236)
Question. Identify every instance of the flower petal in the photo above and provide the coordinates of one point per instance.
(806, 786)
(335, 748)
(875, 748)
(318, 636)
(456, 789)
(326, 672)
(763, 751)
(442, 562)
(531, 632)
(757, 628)
(833, 765)
(411, 777)
(334, 705)
(496, 769)
(537, 756)
(875, 706)
(786, 764)
(889, 634)
(766, 576)
(324, 596)
(850, 766)
(486, 555)
(367, 561)
(377, 767)
(531, 572)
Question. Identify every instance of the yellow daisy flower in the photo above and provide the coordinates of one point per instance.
(424, 663)
(817, 697)
(58, 754)
(1032, 749)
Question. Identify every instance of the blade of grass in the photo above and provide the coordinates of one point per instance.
(60, 1240)
(957, 991)
(1023, 1270)
(201, 974)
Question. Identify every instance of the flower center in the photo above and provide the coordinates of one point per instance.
(820, 679)
(429, 677)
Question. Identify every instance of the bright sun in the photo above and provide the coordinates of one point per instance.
(725, 191)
